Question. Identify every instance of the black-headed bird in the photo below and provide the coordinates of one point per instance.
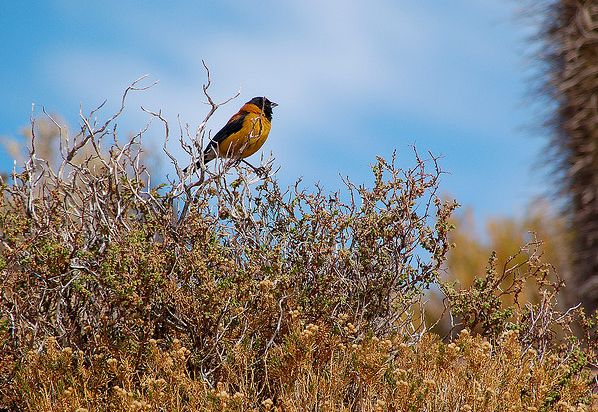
(243, 134)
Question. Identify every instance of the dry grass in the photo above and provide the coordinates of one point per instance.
(314, 370)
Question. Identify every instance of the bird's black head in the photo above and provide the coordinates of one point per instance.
(264, 104)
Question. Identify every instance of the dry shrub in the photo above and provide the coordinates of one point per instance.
(120, 294)
(505, 235)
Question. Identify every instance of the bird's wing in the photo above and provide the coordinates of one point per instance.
(232, 126)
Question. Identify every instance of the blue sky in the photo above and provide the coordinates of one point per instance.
(353, 80)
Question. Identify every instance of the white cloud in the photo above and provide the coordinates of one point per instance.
(318, 56)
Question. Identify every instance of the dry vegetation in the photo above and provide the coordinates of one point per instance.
(222, 291)
(317, 370)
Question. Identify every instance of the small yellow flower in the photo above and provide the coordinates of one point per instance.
(268, 404)
(112, 364)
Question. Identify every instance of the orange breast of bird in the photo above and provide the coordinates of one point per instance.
(249, 138)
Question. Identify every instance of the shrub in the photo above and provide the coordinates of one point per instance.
(120, 294)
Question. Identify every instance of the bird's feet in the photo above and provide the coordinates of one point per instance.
(260, 171)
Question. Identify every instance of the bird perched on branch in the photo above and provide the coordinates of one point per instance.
(243, 134)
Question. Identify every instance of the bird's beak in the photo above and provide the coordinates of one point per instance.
(273, 104)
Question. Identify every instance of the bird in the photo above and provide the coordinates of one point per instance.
(243, 135)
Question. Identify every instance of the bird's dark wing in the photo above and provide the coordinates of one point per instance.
(233, 126)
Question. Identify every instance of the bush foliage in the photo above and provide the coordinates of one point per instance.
(223, 291)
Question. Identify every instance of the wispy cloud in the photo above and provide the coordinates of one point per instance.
(337, 69)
